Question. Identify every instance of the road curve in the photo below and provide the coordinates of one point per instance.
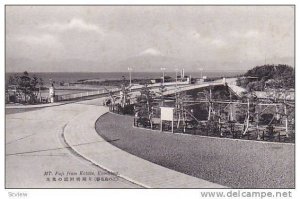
(36, 152)
(102, 152)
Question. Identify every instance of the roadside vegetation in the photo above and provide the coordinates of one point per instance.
(24, 88)
(268, 76)
(219, 111)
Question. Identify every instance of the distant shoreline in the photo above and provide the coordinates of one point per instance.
(73, 77)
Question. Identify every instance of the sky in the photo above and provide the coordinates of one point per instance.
(146, 38)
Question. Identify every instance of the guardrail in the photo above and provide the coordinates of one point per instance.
(190, 87)
(102, 92)
(84, 94)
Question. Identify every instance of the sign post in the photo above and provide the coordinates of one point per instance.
(167, 114)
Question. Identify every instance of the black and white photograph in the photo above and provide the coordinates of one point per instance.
(150, 96)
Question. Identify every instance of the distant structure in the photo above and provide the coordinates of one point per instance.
(179, 78)
(52, 93)
(185, 78)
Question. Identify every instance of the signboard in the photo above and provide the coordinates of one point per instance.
(167, 113)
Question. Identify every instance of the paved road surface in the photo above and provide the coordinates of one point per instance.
(228, 162)
(34, 145)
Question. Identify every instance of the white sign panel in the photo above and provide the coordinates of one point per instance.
(167, 113)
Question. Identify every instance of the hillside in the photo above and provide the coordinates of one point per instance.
(268, 76)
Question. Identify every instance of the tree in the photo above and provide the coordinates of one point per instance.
(239, 81)
(162, 89)
(270, 76)
(113, 98)
(124, 94)
(27, 87)
(144, 106)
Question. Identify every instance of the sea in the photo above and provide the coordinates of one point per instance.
(76, 76)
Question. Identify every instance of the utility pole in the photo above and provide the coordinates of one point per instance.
(276, 107)
(201, 75)
(129, 69)
(219, 121)
(40, 94)
(231, 108)
(247, 117)
(210, 109)
(286, 116)
(176, 69)
(257, 120)
(163, 71)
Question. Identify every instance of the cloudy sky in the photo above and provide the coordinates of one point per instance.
(112, 38)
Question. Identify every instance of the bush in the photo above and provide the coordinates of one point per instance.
(266, 118)
(145, 122)
(127, 110)
(273, 76)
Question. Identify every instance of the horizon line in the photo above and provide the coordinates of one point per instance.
(186, 71)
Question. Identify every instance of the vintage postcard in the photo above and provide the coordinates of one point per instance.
(153, 96)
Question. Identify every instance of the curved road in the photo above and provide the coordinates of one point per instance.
(229, 162)
(36, 153)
